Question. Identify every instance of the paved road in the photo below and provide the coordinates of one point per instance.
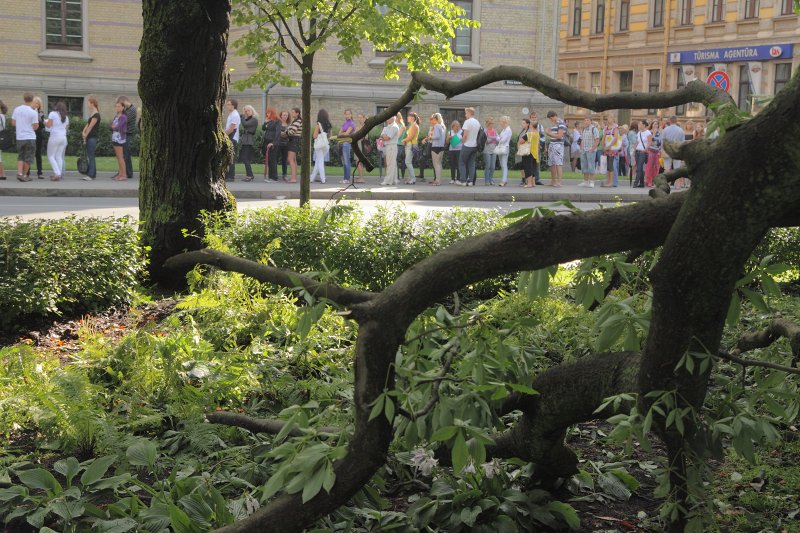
(48, 207)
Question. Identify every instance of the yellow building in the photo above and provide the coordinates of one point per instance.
(68, 49)
(651, 45)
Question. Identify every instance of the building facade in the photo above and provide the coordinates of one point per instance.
(750, 47)
(69, 49)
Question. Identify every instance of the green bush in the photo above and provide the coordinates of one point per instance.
(783, 244)
(369, 252)
(66, 266)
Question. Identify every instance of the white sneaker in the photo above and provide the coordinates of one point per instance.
(582, 184)
(591, 185)
(86, 178)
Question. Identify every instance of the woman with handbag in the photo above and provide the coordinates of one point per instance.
(528, 146)
(90, 133)
(322, 147)
(503, 145)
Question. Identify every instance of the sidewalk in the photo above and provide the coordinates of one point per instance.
(73, 186)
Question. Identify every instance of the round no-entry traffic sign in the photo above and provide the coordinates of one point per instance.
(720, 78)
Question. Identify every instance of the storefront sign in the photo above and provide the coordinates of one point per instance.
(731, 55)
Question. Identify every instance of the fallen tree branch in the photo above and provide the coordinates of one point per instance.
(262, 425)
(267, 274)
(752, 362)
(776, 329)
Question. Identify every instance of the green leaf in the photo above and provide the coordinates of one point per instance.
(520, 214)
(389, 409)
(142, 453)
(756, 299)
(314, 485)
(180, 521)
(39, 478)
(68, 468)
(377, 406)
(444, 434)
(274, 484)
(119, 525)
(609, 335)
(631, 482)
(460, 453)
(522, 389)
(566, 512)
(97, 469)
(734, 310)
(67, 509)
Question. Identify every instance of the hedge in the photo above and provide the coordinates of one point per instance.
(363, 251)
(71, 265)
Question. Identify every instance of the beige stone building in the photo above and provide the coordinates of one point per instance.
(751, 46)
(68, 49)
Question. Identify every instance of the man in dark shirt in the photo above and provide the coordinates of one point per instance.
(132, 131)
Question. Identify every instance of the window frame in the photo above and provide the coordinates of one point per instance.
(592, 86)
(717, 10)
(577, 14)
(653, 87)
(680, 110)
(658, 14)
(787, 8)
(780, 83)
(744, 83)
(624, 15)
(599, 17)
(62, 44)
(572, 81)
(470, 15)
(446, 112)
(52, 99)
(751, 10)
(687, 18)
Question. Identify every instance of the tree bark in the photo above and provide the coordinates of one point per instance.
(308, 127)
(184, 149)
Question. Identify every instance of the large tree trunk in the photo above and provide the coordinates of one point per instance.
(308, 127)
(185, 152)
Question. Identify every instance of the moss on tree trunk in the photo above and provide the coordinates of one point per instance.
(184, 150)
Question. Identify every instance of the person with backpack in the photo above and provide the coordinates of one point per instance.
(10, 141)
(590, 138)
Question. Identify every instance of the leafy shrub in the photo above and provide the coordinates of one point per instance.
(66, 266)
(369, 252)
(783, 244)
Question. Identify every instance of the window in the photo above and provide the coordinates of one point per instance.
(449, 114)
(686, 13)
(74, 104)
(680, 110)
(572, 81)
(63, 24)
(624, 14)
(577, 11)
(600, 17)
(625, 86)
(751, 9)
(658, 13)
(653, 83)
(783, 71)
(744, 88)
(595, 82)
(462, 42)
(717, 7)
(787, 8)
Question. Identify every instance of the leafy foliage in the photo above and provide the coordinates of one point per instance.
(66, 266)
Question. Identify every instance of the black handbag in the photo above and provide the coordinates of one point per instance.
(83, 162)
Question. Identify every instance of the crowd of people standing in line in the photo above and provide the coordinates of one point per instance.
(31, 124)
(590, 146)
